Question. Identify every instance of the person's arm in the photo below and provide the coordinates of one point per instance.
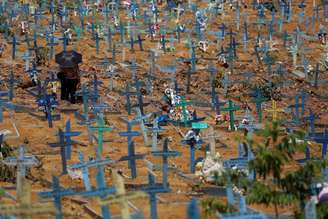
(78, 78)
(60, 75)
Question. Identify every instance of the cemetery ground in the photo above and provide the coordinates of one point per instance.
(36, 134)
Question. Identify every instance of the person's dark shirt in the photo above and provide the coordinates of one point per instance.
(71, 73)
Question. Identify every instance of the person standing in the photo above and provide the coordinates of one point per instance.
(70, 79)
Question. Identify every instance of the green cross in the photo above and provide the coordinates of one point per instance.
(259, 99)
(183, 104)
(231, 109)
(78, 32)
(101, 128)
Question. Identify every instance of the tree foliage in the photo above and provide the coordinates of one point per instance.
(277, 185)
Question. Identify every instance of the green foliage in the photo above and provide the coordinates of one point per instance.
(276, 151)
(322, 210)
(4, 26)
(42, 55)
(298, 183)
(211, 206)
(237, 177)
(2, 192)
(7, 174)
(264, 194)
(273, 152)
(267, 89)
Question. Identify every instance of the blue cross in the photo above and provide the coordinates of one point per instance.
(85, 165)
(152, 189)
(102, 191)
(63, 150)
(321, 138)
(131, 153)
(165, 154)
(57, 193)
(192, 144)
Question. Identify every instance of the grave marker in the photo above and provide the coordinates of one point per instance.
(321, 138)
(57, 193)
(47, 103)
(183, 104)
(311, 118)
(192, 144)
(22, 162)
(100, 128)
(132, 157)
(140, 119)
(152, 189)
(128, 93)
(231, 109)
(68, 134)
(63, 149)
(274, 110)
(193, 210)
(138, 85)
(310, 210)
(85, 165)
(249, 124)
(259, 99)
(102, 191)
(14, 43)
(121, 196)
(155, 130)
(165, 154)
(25, 208)
(11, 81)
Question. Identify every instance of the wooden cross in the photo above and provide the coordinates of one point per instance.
(122, 197)
(24, 208)
(22, 162)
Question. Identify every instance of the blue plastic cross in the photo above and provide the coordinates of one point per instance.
(102, 191)
(127, 93)
(101, 128)
(165, 154)
(85, 165)
(155, 130)
(57, 193)
(192, 144)
(141, 120)
(63, 149)
(152, 189)
(321, 138)
(68, 134)
(193, 210)
(130, 134)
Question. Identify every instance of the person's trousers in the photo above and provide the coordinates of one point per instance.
(68, 89)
